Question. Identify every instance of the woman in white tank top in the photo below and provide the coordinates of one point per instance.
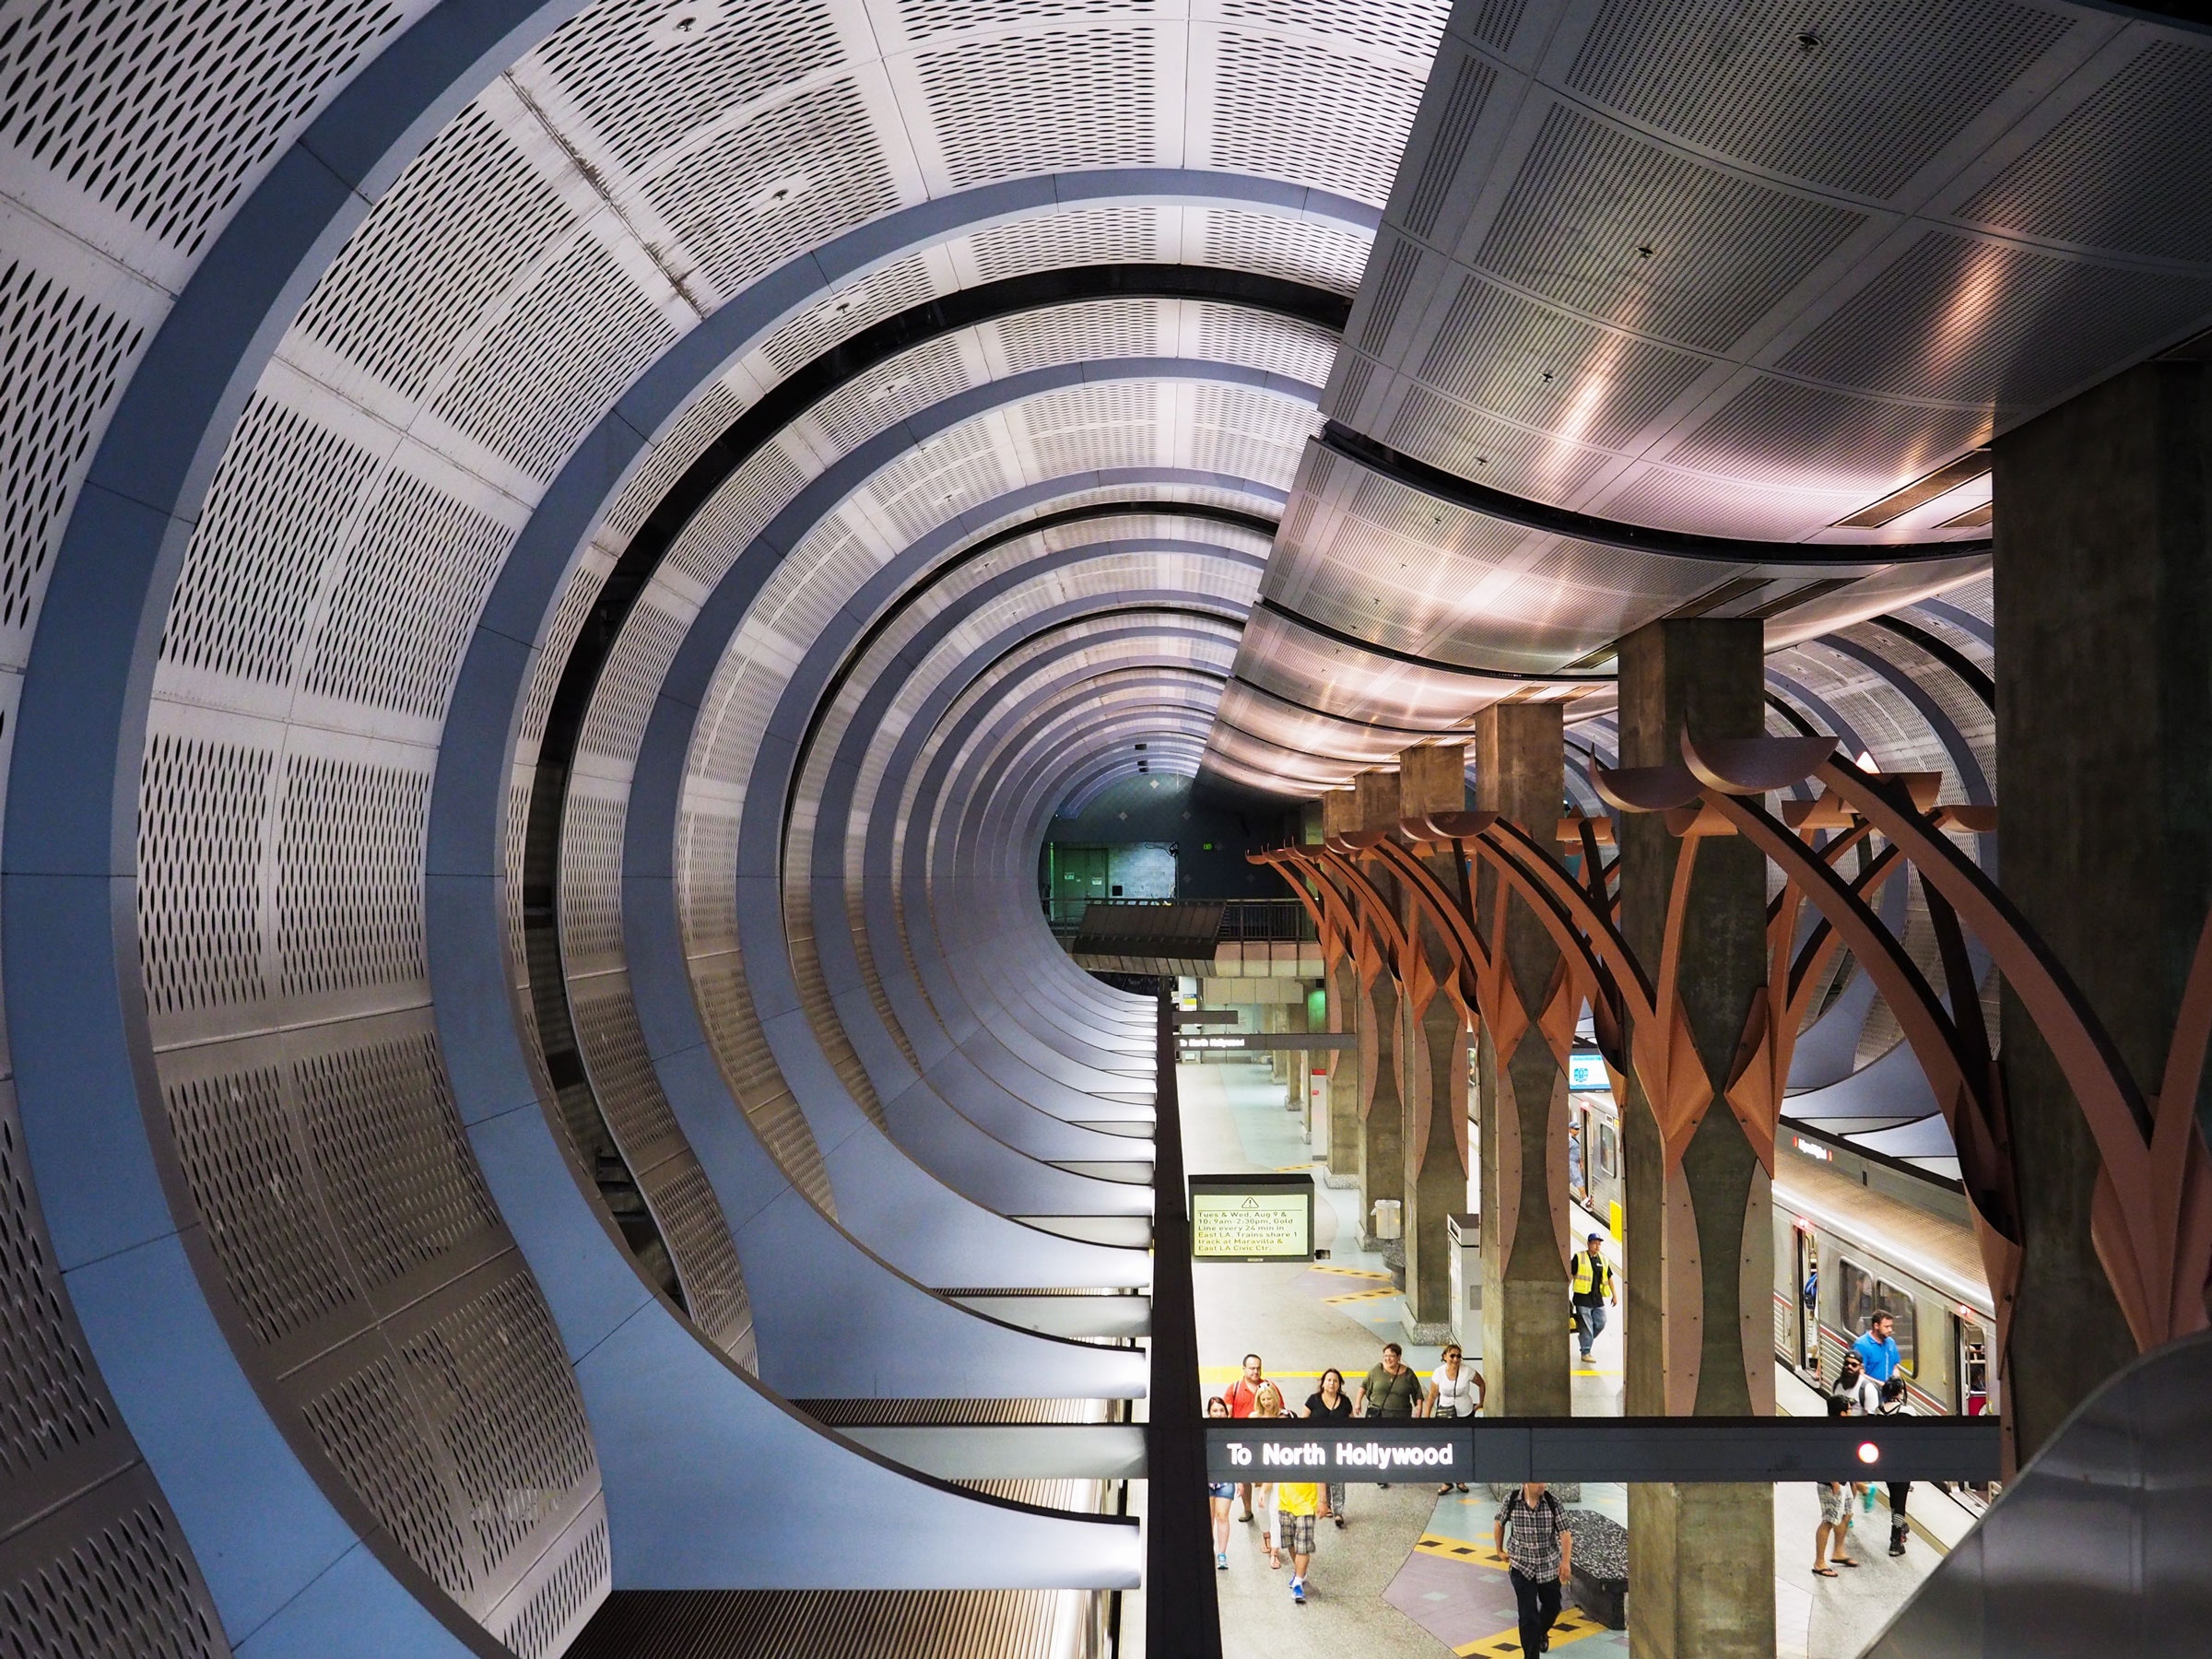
(1455, 1390)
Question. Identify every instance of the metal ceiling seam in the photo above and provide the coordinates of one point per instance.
(928, 741)
(983, 746)
(767, 973)
(839, 773)
(892, 440)
(919, 731)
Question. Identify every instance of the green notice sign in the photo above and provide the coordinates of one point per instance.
(1252, 1218)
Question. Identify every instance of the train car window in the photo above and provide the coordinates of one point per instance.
(1608, 1150)
(1897, 1301)
(1854, 1291)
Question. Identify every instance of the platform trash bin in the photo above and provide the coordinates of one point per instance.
(1387, 1222)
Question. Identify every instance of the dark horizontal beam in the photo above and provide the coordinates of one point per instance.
(1623, 1449)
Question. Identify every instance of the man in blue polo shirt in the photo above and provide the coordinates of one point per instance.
(1877, 1348)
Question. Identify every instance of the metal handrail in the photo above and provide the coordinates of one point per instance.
(1182, 1614)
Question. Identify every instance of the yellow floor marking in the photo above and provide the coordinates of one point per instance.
(1460, 1550)
(1358, 1296)
(1291, 1169)
(1365, 1273)
(1573, 1625)
(1596, 1373)
(1230, 1373)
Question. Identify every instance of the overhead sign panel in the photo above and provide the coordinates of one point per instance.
(1586, 1069)
(1252, 1218)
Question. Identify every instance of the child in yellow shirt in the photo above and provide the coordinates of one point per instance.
(1296, 1504)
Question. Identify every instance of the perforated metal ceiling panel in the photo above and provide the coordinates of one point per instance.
(1725, 273)
(1654, 249)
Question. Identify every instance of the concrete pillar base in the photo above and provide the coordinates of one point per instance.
(1427, 1336)
(1701, 1561)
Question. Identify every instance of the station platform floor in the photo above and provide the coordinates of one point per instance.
(1412, 1571)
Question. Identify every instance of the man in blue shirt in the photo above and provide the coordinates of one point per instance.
(1877, 1348)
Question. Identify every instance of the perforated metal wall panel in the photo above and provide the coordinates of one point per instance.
(92, 1562)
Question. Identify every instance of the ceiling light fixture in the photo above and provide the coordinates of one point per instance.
(1973, 464)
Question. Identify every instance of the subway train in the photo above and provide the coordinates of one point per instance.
(1854, 1234)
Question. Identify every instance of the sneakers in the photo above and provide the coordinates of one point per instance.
(1298, 1591)
(1220, 1563)
(1340, 1522)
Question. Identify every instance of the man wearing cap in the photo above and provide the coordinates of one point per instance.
(1592, 1289)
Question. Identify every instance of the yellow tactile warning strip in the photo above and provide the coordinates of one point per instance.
(1573, 1625)
(1459, 1549)
(1361, 1295)
(1365, 1273)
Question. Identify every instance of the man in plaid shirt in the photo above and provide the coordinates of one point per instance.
(1533, 1536)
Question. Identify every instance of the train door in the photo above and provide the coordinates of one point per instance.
(1580, 1152)
(1972, 1346)
(1809, 1301)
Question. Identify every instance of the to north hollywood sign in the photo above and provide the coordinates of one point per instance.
(1362, 1450)
(1627, 1449)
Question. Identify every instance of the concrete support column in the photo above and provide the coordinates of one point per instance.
(1348, 1065)
(1381, 1095)
(2104, 743)
(1700, 1242)
(1519, 771)
(1432, 780)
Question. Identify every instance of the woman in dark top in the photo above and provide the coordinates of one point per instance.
(1330, 1404)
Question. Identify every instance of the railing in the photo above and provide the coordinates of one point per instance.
(1270, 920)
(1182, 1617)
(1257, 919)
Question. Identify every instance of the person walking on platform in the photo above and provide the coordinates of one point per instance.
(1330, 1404)
(1455, 1390)
(1832, 1536)
(1218, 1496)
(1267, 1402)
(1861, 1396)
(1390, 1391)
(1533, 1536)
(1877, 1348)
(1295, 1503)
(1240, 1395)
(1594, 1288)
(1893, 1405)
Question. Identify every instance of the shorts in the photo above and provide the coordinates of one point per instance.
(1835, 1503)
(1221, 1488)
(1297, 1534)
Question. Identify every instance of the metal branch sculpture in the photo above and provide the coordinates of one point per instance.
(2153, 1216)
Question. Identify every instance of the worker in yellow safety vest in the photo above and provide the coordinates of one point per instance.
(1592, 1288)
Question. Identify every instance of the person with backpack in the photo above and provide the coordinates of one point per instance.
(1533, 1536)
(1893, 1405)
(1592, 1286)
